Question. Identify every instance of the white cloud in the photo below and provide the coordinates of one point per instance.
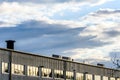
(103, 25)
(93, 55)
(99, 2)
(97, 24)
(86, 53)
(15, 12)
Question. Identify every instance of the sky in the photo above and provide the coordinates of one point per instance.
(86, 30)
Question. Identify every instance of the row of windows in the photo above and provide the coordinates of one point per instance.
(33, 71)
(46, 72)
(16, 68)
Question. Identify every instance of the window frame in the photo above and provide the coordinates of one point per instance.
(18, 69)
(5, 66)
(34, 71)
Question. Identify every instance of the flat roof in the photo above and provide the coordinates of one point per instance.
(33, 54)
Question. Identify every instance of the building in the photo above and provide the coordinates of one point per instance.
(16, 65)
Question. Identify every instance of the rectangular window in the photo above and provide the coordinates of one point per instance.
(79, 76)
(46, 72)
(112, 78)
(97, 77)
(118, 78)
(69, 75)
(18, 69)
(32, 71)
(105, 78)
(88, 77)
(58, 74)
(4, 67)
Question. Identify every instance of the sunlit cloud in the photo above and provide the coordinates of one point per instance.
(16, 12)
(102, 26)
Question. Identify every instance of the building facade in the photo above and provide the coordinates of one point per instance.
(16, 65)
(26, 66)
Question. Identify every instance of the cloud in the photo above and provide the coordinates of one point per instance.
(101, 54)
(17, 11)
(61, 1)
(92, 37)
(90, 56)
(103, 27)
(46, 38)
(99, 30)
(49, 36)
(102, 24)
(87, 53)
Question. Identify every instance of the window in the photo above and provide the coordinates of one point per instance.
(105, 78)
(118, 78)
(4, 67)
(79, 76)
(112, 78)
(88, 77)
(58, 73)
(46, 72)
(32, 71)
(69, 75)
(97, 77)
(18, 69)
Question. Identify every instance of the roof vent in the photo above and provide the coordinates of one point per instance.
(99, 64)
(56, 56)
(67, 58)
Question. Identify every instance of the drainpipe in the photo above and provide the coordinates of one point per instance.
(64, 71)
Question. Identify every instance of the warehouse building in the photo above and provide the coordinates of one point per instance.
(17, 65)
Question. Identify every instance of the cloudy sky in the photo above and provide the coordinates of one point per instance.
(86, 30)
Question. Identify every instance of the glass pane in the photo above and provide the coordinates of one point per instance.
(97, 77)
(105, 78)
(58, 73)
(17, 69)
(32, 71)
(4, 67)
(69, 75)
(46, 72)
(88, 77)
(118, 78)
(79, 76)
(112, 78)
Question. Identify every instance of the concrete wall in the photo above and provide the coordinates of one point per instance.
(51, 63)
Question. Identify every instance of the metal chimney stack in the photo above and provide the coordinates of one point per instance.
(10, 44)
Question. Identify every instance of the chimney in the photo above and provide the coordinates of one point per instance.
(10, 44)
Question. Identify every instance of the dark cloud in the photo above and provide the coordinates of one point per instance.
(106, 11)
(36, 36)
(112, 33)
